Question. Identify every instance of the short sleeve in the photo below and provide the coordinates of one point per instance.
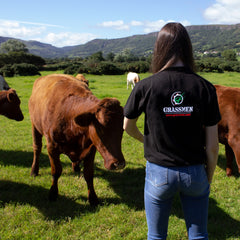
(212, 115)
(136, 102)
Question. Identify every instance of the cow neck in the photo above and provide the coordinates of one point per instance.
(75, 105)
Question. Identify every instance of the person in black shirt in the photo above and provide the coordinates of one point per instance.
(180, 134)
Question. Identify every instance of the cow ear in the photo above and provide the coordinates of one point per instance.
(11, 95)
(100, 116)
(106, 108)
(84, 119)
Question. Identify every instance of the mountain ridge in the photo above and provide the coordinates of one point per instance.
(204, 38)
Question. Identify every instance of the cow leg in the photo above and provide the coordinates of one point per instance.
(88, 173)
(237, 156)
(37, 148)
(230, 156)
(56, 171)
(236, 153)
(75, 166)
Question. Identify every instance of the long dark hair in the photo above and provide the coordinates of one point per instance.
(173, 43)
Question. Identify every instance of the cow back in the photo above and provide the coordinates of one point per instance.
(50, 98)
(228, 100)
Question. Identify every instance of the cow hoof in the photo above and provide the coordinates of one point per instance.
(33, 173)
(53, 194)
(229, 172)
(76, 168)
(93, 201)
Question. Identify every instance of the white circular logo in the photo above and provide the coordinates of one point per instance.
(177, 98)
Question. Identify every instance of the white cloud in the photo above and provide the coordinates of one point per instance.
(16, 30)
(147, 26)
(136, 23)
(39, 32)
(68, 38)
(154, 26)
(185, 23)
(118, 25)
(41, 24)
(223, 11)
(157, 25)
(10, 24)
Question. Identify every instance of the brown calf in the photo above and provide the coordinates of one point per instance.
(10, 105)
(77, 124)
(229, 126)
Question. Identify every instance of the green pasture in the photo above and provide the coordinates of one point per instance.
(26, 213)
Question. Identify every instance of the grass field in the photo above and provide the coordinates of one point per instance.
(26, 213)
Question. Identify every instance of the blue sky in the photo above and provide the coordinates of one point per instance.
(74, 22)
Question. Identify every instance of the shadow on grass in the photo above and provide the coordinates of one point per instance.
(128, 184)
(24, 159)
(220, 224)
(20, 193)
(21, 159)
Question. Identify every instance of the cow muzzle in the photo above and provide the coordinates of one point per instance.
(119, 165)
(20, 118)
(115, 165)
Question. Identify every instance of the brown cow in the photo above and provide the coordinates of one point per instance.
(74, 123)
(82, 78)
(10, 105)
(229, 126)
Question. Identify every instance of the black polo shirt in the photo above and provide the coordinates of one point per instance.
(177, 104)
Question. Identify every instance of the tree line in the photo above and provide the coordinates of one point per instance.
(16, 60)
(218, 62)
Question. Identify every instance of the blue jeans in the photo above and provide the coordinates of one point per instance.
(161, 184)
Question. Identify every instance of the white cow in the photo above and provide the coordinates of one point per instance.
(3, 84)
(132, 79)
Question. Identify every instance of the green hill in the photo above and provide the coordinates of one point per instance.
(204, 38)
(215, 37)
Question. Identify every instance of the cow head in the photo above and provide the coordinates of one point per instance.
(105, 121)
(82, 78)
(10, 105)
